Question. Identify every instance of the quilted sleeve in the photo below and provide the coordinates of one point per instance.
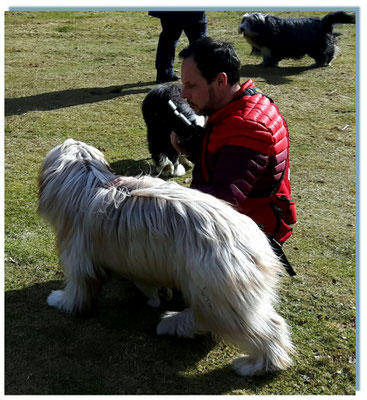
(236, 171)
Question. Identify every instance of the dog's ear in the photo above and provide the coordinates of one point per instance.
(86, 162)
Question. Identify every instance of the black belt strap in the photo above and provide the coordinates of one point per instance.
(250, 92)
(277, 247)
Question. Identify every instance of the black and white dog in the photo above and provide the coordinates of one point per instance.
(160, 121)
(276, 38)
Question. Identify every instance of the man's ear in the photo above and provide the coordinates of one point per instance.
(221, 79)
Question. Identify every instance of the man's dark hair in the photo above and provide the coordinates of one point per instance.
(212, 57)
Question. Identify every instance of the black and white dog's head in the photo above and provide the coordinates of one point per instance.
(252, 24)
(156, 111)
(276, 38)
(161, 121)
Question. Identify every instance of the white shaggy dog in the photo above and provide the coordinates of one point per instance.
(160, 234)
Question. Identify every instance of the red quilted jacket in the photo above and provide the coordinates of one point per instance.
(245, 161)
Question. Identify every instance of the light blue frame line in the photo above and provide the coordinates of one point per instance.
(130, 8)
(358, 150)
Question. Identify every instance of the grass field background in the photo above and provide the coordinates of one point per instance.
(84, 75)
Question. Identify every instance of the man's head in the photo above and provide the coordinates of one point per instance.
(210, 74)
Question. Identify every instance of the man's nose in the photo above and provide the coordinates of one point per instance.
(184, 93)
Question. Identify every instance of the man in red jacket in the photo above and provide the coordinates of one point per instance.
(244, 155)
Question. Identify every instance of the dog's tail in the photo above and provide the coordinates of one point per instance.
(338, 17)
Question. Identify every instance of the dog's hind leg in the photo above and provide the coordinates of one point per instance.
(325, 53)
(243, 315)
(181, 324)
(268, 351)
(323, 60)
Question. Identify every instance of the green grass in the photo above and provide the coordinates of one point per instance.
(84, 75)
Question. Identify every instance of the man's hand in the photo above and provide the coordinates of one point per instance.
(176, 143)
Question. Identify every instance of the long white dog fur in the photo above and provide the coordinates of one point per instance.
(161, 234)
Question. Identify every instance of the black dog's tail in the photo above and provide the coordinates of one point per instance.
(338, 17)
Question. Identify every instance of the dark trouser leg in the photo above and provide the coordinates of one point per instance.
(171, 32)
(194, 31)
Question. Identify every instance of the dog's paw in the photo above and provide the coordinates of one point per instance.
(179, 324)
(54, 299)
(167, 324)
(179, 170)
(248, 366)
(167, 171)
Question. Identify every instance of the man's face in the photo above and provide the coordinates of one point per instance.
(196, 90)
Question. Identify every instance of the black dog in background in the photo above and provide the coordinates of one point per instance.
(276, 38)
(161, 120)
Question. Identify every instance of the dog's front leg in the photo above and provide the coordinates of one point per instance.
(76, 298)
(83, 283)
(269, 59)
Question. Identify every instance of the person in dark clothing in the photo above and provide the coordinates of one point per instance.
(193, 23)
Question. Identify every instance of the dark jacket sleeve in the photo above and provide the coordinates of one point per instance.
(236, 171)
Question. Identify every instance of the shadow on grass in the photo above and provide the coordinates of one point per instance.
(272, 75)
(115, 351)
(72, 97)
(131, 167)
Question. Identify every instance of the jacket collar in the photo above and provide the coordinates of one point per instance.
(232, 105)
